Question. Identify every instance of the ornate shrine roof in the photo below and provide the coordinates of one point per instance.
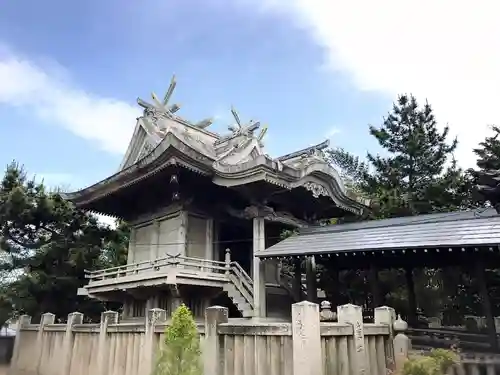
(162, 139)
(479, 228)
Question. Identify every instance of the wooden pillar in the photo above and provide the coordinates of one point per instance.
(259, 277)
(412, 298)
(377, 299)
(312, 289)
(297, 280)
(182, 234)
(480, 274)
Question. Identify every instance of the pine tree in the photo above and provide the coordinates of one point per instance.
(416, 173)
(180, 353)
(47, 246)
(487, 177)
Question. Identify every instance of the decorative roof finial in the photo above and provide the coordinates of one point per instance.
(242, 129)
(161, 107)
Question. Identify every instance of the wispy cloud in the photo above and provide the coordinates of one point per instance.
(48, 93)
(444, 51)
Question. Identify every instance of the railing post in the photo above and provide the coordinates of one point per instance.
(22, 322)
(386, 315)
(402, 343)
(212, 351)
(67, 346)
(107, 318)
(227, 260)
(306, 337)
(47, 318)
(155, 317)
(353, 315)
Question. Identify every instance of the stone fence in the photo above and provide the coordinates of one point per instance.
(308, 345)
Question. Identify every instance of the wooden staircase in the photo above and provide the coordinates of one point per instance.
(240, 289)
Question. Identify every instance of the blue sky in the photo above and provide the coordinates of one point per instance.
(70, 73)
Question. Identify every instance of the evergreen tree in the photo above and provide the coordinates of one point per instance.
(487, 176)
(47, 246)
(180, 353)
(416, 173)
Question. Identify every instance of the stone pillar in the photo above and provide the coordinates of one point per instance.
(22, 322)
(306, 336)
(402, 343)
(312, 289)
(387, 315)
(259, 282)
(67, 346)
(212, 350)
(149, 350)
(107, 318)
(353, 315)
(47, 318)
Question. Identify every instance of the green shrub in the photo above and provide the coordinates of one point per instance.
(180, 352)
(438, 362)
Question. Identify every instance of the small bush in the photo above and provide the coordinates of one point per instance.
(438, 362)
(180, 352)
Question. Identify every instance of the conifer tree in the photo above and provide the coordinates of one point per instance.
(180, 352)
(416, 172)
(47, 244)
(487, 177)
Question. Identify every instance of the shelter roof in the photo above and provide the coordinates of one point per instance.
(479, 228)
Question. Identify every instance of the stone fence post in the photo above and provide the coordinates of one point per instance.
(402, 343)
(212, 350)
(387, 315)
(47, 318)
(22, 322)
(107, 318)
(150, 350)
(67, 345)
(306, 335)
(353, 315)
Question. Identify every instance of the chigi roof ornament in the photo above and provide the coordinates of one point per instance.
(159, 109)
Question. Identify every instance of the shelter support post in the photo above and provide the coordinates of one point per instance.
(297, 279)
(259, 281)
(480, 274)
(377, 299)
(312, 289)
(412, 298)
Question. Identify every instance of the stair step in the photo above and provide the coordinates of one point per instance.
(243, 306)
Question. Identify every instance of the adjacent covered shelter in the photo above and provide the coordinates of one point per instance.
(470, 239)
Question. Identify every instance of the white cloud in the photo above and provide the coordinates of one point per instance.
(52, 98)
(332, 132)
(445, 51)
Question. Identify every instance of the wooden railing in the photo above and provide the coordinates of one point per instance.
(230, 270)
(160, 264)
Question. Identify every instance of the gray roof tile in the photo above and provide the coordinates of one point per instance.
(467, 228)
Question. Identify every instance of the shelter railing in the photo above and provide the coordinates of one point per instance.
(446, 338)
